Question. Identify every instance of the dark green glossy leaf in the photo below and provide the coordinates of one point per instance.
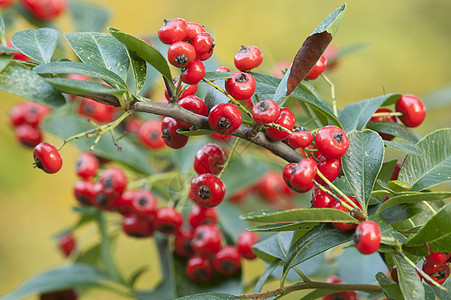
(431, 168)
(77, 275)
(213, 96)
(398, 186)
(24, 83)
(404, 146)
(5, 60)
(144, 50)
(409, 281)
(283, 227)
(274, 247)
(67, 67)
(387, 231)
(209, 296)
(436, 232)
(265, 84)
(212, 76)
(88, 16)
(301, 215)
(64, 126)
(316, 241)
(399, 212)
(100, 49)
(39, 44)
(81, 87)
(390, 288)
(139, 69)
(354, 116)
(362, 162)
(441, 294)
(395, 129)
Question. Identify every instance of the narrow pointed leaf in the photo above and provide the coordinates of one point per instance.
(88, 16)
(39, 44)
(434, 166)
(283, 227)
(81, 87)
(27, 84)
(387, 231)
(362, 163)
(265, 84)
(409, 281)
(405, 147)
(5, 59)
(212, 76)
(395, 129)
(139, 69)
(391, 289)
(100, 49)
(274, 247)
(413, 198)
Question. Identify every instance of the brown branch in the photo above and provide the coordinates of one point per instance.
(369, 288)
(200, 122)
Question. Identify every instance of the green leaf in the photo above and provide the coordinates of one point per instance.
(409, 281)
(39, 44)
(2, 31)
(212, 76)
(64, 126)
(67, 67)
(395, 129)
(436, 232)
(301, 215)
(316, 241)
(441, 294)
(77, 275)
(5, 59)
(398, 186)
(265, 84)
(209, 296)
(26, 84)
(390, 288)
(82, 87)
(5, 49)
(88, 16)
(213, 96)
(413, 198)
(139, 68)
(284, 227)
(387, 231)
(431, 168)
(100, 49)
(274, 247)
(362, 162)
(144, 50)
(404, 146)
(265, 276)
(354, 116)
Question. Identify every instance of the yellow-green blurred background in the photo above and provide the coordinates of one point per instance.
(408, 51)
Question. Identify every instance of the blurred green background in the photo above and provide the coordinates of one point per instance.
(408, 51)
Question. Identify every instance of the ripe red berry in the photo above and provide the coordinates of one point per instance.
(195, 105)
(182, 242)
(136, 226)
(171, 137)
(331, 142)
(47, 158)
(394, 175)
(181, 54)
(193, 73)
(34, 113)
(123, 204)
(438, 257)
(17, 114)
(302, 178)
(329, 167)
(287, 120)
(227, 261)
(246, 240)
(438, 272)
(287, 172)
(206, 240)
(150, 134)
(321, 199)
(240, 86)
(209, 159)
(102, 199)
(221, 137)
(67, 244)
(28, 135)
(202, 215)
(87, 165)
(173, 31)
(69, 294)
(84, 192)
(185, 89)
(193, 30)
(203, 44)
(413, 109)
(223, 69)
(270, 187)
(225, 118)
(96, 111)
(144, 203)
(248, 58)
(208, 190)
(318, 68)
(45, 10)
(367, 237)
(199, 269)
(168, 220)
(5, 3)
(384, 136)
(300, 139)
(266, 111)
(346, 226)
(114, 181)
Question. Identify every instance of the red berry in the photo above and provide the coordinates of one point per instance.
(302, 178)
(187, 89)
(384, 136)
(193, 30)
(329, 167)
(150, 134)
(17, 114)
(209, 159)
(104, 200)
(413, 110)
(133, 125)
(171, 137)
(394, 175)
(67, 244)
(203, 44)
(248, 58)
(227, 261)
(182, 242)
(205, 56)
(47, 158)
(34, 113)
(367, 237)
(318, 68)
(87, 165)
(394, 274)
(173, 31)
(136, 226)
(144, 203)
(222, 137)
(181, 54)
(438, 257)
(195, 105)
(45, 10)
(240, 86)
(270, 187)
(223, 69)
(84, 192)
(202, 215)
(240, 196)
(266, 111)
(96, 111)
(225, 118)
(69, 294)
(28, 135)
(199, 269)
(287, 120)
(168, 220)
(331, 142)
(438, 272)
(123, 203)
(6, 3)
(321, 199)
(287, 172)
(300, 139)
(246, 240)
(114, 181)
(193, 73)
(346, 226)
(206, 240)
(208, 190)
